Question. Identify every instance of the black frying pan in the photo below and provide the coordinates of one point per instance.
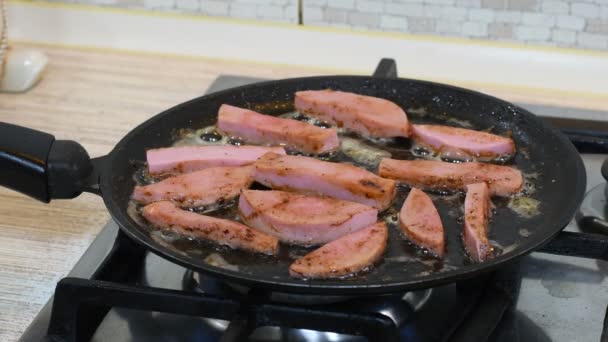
(35, 164)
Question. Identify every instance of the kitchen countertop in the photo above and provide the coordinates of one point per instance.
(95, 97)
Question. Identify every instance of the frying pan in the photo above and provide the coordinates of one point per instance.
(36, 164)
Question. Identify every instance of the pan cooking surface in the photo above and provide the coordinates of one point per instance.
(516, 225)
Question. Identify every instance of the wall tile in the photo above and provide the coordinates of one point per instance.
(363, 19)
(563, 36)
(500, 30)
(495, 4)
(254, 2)
(468, 3)
(312, 13)
(475, 29)
(370, 6)
(449, 26)
(290, 14)
(532, 33)
(508, 16)
(432, 11)
(555, 7)
(585, 10)
(597, 26)
(335, 15)
(538, 19)
(421, 24)
(188, 5)
(591, 40)
(454, 13)
(345, 4)
(216, 7)
(412, 10)
(570, 22)
(524, 5)
(243, 10)
(482, 15)
(393, 22)
(313, 3)
(159, 4)
(440, 2)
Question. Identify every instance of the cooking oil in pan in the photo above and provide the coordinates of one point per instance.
(364, 152)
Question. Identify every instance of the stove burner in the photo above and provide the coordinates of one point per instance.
(398, 307)
(199, 282)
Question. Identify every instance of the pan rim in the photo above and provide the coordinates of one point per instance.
(345, 288)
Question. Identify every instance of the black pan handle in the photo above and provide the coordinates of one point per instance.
(582, 245)
(37, 165)
(387, 68)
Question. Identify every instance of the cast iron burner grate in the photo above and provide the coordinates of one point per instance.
(477, 308)
(80, 305)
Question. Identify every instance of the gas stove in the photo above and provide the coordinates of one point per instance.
(120, 292)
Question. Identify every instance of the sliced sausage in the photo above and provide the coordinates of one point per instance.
(420, 222)
(431, 174)
(200, 188)
(167, 215)
(361, 114)
(258, 128)
(309, 175)
(303, 219)
(347, 255)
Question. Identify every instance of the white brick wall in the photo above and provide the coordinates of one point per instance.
(290, 14)
(454, 13)
(555, 7)
(214, 7)
(449, 26)
(432, 11)
(412, 10)
(370, 6)
(475, 29)
(345, 4)
(538, 19)
(482, 15)
(188, 5)
(269, 11)
(532, 33)
(544, 22)
(393, 22)
(585, 10)
(440, 2)
(312, 13)
(159, 4)
(590, 40)
(333, 15)
(363, 20)
(246, 11)
(570, 22)
(565, 37)
(508, 17)
(468, 3)
(567, 23)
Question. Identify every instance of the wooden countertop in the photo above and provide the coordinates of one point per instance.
(96, 97)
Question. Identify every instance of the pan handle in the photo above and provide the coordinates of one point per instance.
(387, 68)
(37, 165)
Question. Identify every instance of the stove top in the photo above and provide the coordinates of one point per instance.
(543, 297)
